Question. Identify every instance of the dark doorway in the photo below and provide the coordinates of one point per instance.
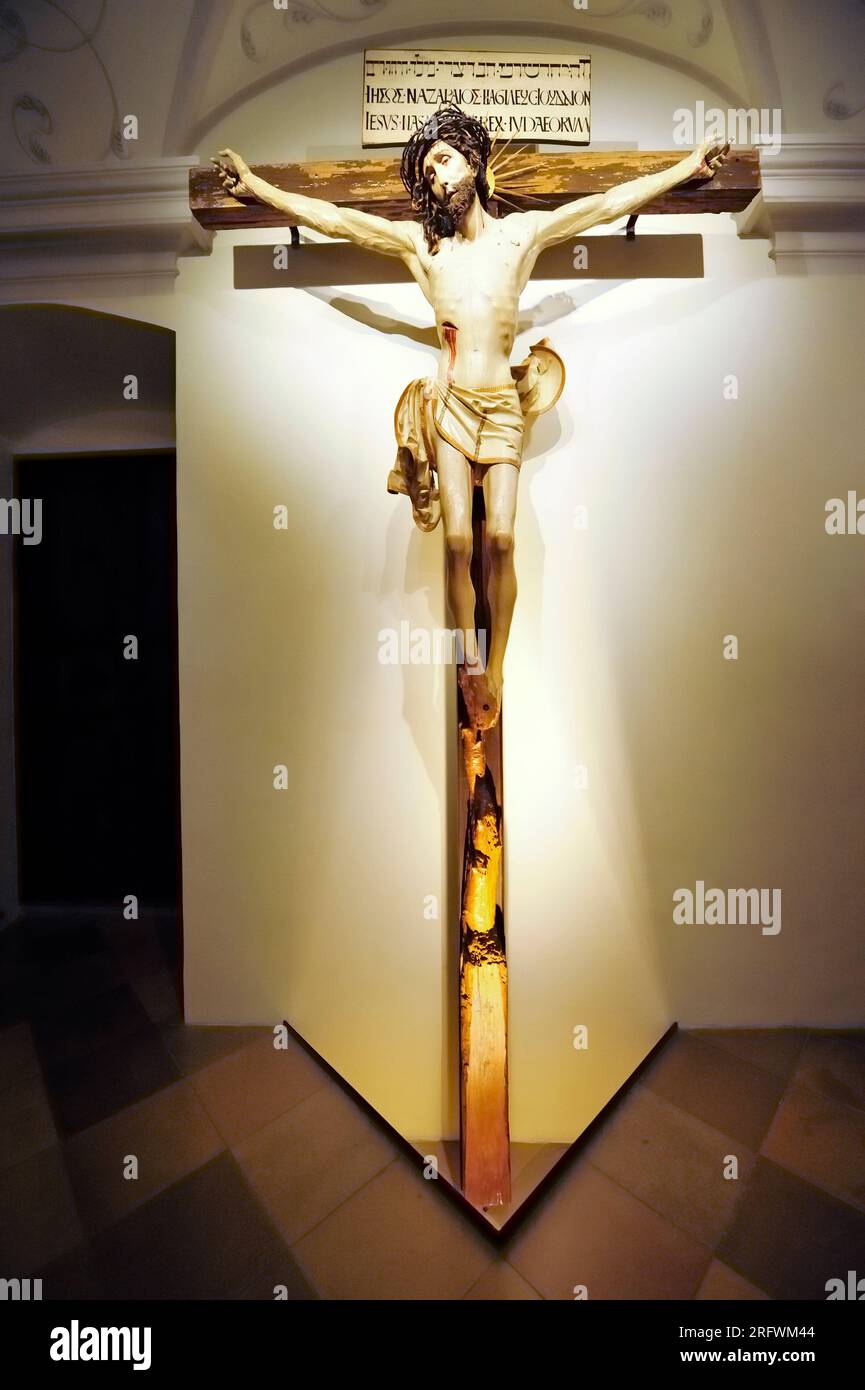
(97, 733)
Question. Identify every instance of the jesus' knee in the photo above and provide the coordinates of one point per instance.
(500, 540)
(458, 544)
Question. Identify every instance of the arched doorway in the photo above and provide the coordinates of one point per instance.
(89, 767)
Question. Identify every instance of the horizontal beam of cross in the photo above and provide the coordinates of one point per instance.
(374, 185)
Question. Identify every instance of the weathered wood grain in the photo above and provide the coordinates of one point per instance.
(374, 185)
(485, 1149)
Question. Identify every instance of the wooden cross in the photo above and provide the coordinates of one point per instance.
(374, 186)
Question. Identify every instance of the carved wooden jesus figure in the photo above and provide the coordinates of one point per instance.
(466, 424)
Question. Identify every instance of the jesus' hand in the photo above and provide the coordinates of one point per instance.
(233, 174)
(709, 157)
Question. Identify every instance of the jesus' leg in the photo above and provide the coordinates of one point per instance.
(455, 492)
(500, 505)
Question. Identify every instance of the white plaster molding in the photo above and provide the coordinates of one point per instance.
(812, 204)
(119, 224)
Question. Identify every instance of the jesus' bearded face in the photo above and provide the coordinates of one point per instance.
(451, 178)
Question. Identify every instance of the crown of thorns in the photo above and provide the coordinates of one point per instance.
(454, 127)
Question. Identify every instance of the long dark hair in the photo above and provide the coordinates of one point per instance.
(464, 133)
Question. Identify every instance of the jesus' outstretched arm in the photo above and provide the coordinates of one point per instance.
(364, 228)
(623, 199)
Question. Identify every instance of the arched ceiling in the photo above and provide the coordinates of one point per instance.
(259, 45)
(71, 70)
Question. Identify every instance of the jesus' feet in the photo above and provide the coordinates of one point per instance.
(483, 698)
(494, 684)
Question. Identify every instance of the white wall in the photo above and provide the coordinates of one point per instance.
(706, 517)
(308, 904)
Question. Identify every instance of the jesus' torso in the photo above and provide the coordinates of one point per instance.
(474, 286)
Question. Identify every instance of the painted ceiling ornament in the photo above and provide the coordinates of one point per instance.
(835, 108)
(655, 11)
(301, 12)
(658, 12)
(28, 139)
(31, 118)
(706, 27)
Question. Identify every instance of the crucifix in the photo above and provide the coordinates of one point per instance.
(460, 434)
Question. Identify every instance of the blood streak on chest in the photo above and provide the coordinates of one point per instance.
(450, 336)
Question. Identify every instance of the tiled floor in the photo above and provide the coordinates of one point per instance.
(735, 1169)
